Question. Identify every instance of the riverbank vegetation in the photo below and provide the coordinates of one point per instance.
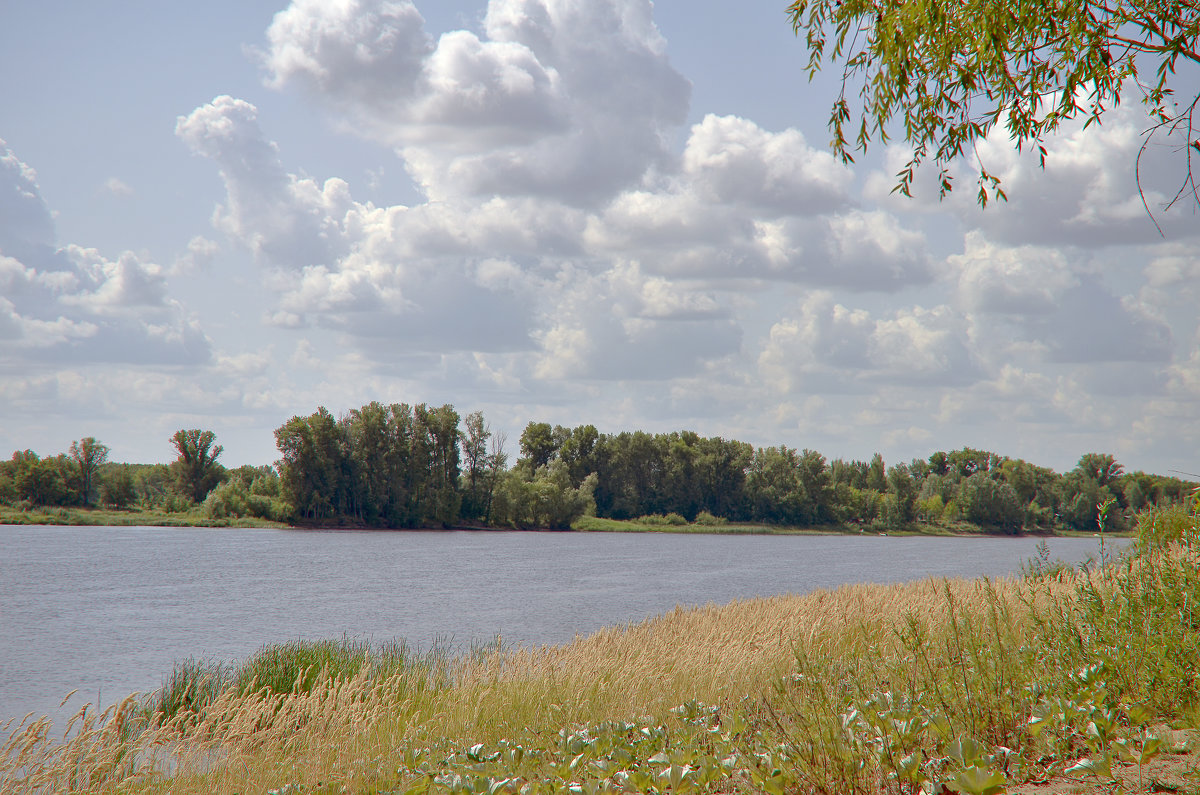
(975, 687)
(420, 466)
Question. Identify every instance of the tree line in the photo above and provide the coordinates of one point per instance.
(401, 465)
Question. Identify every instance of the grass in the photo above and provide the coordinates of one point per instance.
(653, 524)
(104, 517)
(101, 517)
(935, 686)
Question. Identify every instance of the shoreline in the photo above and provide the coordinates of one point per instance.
(77, 517)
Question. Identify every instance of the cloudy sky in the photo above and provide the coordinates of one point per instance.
(220, 215)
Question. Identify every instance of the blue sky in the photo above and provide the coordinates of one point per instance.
(563, 210)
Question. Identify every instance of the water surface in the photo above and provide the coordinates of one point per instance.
(108, 610)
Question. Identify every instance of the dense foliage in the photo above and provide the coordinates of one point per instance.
(420, 466)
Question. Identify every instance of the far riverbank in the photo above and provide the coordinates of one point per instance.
(97, 517)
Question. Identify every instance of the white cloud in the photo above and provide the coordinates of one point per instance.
(282, 218)
(199, 255)
(25, 223)
(126, 283)
(349, 52)
(624, 325)
(118, 188)
(74, 305)
(730, 160)
(829, 347)
(1024, 280)
(564, 98)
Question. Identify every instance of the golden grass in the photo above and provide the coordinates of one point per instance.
(351, 732)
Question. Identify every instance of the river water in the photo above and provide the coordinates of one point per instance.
(108, 610)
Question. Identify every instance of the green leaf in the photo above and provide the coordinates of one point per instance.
(977, 780)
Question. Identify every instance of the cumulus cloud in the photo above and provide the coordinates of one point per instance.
(624, 324)
(731, 160)
(350, 52)
(1090, 324)
(1023, 280)
(287, 220)
(828, 346)
(376, 273)
(26, 225)
(1047, 298)
(562, 241)
(748, 203)
(73, 304)
(564, 98)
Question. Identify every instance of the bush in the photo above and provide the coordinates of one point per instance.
(176, 503)
(1158, 527)
(232, 499)
(675, 520)
(547, 499)
(706, 519)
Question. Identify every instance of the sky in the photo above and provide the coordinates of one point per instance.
(614, 212)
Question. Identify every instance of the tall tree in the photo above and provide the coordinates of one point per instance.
(474, 442)
(538, 445)
(88, 455)
(38, 480)
(1100, 467)
(196, 468)
(948, 73)
(311, 468)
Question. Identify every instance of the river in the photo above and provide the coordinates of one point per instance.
(108, 610)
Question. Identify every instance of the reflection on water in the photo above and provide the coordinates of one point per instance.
(109, 610)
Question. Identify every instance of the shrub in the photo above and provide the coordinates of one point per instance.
(1159, 527)
(232, 499)
(706, 519)
(675, 520)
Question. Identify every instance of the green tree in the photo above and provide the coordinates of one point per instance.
(117, 487)
(537, 445)
(877, 474)
(474, 444)
(196, 469)
(311, 467)
(579, 452)
(948, 73)
(774, 488)
(1100, 467)
(40, 481)
(721, 469)
(992, 503)
(88, 455)
(903, 489)
(548, 499)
